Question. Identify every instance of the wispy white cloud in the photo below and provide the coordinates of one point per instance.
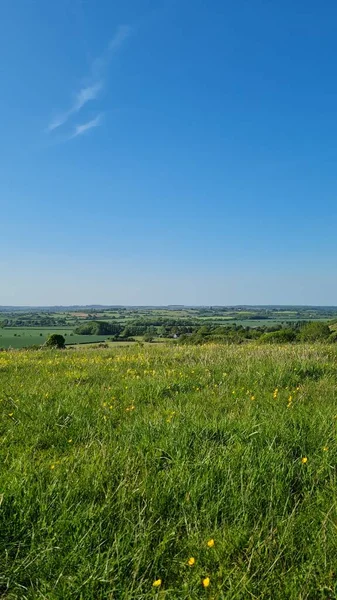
(100, 64)
(80, 129)
(95, 81)
(122, 33)
(82, 97)
(86, 94)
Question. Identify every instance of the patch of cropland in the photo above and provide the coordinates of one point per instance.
(24, 337)
(179, 472)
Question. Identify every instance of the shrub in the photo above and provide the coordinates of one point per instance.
(55, 340)
(282, 336)
(148, 338)
(314, 331)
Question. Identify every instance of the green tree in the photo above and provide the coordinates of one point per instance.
(55, 340)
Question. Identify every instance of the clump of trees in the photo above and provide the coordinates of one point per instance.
(98, 328)
(195, 333)
(314, 331)
(33, 320)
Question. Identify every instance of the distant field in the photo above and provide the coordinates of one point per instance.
(255, 322)
(17, 337)
(269, 322)
(25, 328)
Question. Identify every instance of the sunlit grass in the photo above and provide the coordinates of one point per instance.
(170, 472)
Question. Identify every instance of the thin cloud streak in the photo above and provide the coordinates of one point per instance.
(80, 129)
(100, 64)
(122, 34)
(86, 94)
(82, 97)
(95, 81)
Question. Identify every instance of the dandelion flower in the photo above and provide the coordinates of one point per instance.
(206, 582)
(210, 543)
(304, 460)
(252, 397)
(157, 583)
(191, 561)
(52, 466)
(70, 441)
(325, 448)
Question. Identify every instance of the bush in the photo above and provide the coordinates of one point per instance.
(314, 331)
(55, 340)
(148, 338)
(282, 336)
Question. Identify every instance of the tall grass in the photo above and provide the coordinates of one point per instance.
(118, 466)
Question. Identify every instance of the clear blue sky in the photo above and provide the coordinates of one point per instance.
(168, 151)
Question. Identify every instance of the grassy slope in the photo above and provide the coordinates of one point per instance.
(117, 466)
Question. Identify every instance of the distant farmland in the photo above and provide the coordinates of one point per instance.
(26, 327)
(17, 337)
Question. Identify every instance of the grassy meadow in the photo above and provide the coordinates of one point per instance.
(167, 471)
(23, 337)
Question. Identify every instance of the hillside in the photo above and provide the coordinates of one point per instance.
(171, 472)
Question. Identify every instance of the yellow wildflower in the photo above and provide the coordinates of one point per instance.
(52, 466)
(210, 543)
(191, 561)
(206, 582)
(325, 448)
(304, 460)
(157, 583)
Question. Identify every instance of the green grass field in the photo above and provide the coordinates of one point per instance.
(208, 470)
(23, 337)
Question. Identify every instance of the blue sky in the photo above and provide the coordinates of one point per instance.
(168, 151)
